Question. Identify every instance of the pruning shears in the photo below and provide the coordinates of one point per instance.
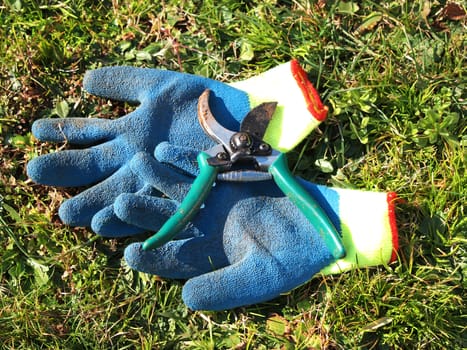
(255, 160)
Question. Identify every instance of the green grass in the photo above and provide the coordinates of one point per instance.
(394, 76)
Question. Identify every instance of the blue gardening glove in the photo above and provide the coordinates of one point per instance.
(246, 246)
(250, 243)
(166, 112)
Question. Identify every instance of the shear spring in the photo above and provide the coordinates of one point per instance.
(244, 176)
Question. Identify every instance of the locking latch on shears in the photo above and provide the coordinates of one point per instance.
(244, 156)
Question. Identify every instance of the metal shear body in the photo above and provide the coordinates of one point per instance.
(256, 160)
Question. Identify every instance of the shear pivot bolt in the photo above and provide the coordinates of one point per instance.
(241, 140)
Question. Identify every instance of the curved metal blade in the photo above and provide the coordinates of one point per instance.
(257, 120)
(209, 123)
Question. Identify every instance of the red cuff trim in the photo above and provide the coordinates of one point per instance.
(392, 199)
(313, 101)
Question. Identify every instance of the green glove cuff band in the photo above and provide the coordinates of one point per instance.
(370, 233)
(299, 108)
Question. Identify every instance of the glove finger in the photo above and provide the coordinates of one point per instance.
(166, 180)
(121, 82)
(107, 224)
(79, 210)
(148, 213)
(72, 168)
(178, 259)
(182, 158)
(79, 131)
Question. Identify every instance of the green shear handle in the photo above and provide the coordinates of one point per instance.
(307, 205)
(284, 179)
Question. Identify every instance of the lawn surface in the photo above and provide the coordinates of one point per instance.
(394, 77)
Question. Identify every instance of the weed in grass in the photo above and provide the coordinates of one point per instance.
(393, 74)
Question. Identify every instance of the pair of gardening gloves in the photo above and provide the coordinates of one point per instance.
(249, 243)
